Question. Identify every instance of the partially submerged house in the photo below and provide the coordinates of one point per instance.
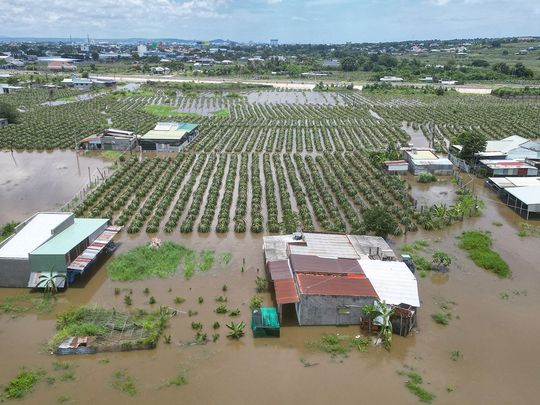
(424, 160)
(110, 139)
(524, 200)
(396, 166)
(507, 168)
(329, 278)
(512, 147)
(169, 136)
(52, 243)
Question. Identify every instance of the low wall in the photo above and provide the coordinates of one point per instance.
(14, 272)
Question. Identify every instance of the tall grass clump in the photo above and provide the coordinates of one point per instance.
(147, 261)
(478, 244)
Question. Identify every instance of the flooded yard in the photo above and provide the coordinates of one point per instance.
(486, 328)
(41, 181)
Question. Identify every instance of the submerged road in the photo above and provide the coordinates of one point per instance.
(293, 85)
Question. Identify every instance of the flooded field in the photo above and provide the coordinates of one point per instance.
(295, 97)
(41, 181)
(499, 355)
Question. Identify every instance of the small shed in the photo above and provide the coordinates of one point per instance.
(525, 200)
(265, 322)
(3, 122)
(396, 166)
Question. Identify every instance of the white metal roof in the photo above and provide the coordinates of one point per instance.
(393, 281)
(528, 195)
(505, 182)
(326, 245)
(505, 145)
(36, 232)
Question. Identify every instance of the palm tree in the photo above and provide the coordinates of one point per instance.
(236, 330)
(48, 282)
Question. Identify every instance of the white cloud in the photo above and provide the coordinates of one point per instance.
(126, 15)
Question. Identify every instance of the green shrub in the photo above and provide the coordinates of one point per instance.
(256, 302)
(426, 178)
(441, 318)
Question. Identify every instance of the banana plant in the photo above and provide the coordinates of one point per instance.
(48, 282)
(236, 329)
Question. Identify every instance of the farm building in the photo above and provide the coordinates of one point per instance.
(8, 89)
(329, 278)
(391, 79)
(169, 136)
(525, 200)
(52, 242)
(512, 147)
(499, 184)
(507, 168)
(78, 83)
(110, 139)
(423, 160)
(396, 166)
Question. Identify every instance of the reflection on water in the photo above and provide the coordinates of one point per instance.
(41, 181)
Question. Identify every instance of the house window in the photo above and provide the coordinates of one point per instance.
(344, 310)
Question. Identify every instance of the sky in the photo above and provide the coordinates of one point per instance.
(289, 21)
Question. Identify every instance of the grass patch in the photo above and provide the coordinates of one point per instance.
(7, 230)
(178, 381)
(478, 244)
(20, 304)
(456, 355)
(164, 111)
(123, 382)
(223, 113)
(22, 384)
(339, 345)
(206, 260)
(225, 258)
(146, 261)
(418, 245)
(413, 384)
(111, 154)
(526, 230)
(441, 318)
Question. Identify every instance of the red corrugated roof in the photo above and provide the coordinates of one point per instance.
(279, 270)
(318, 284)
(286, 291)
(315, 264)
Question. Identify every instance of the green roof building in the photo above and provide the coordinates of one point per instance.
(169, 136)
(57, 253)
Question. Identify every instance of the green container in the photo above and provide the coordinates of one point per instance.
(265, 322)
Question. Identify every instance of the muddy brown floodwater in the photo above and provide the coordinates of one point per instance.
(497, 337)
(41, 181)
